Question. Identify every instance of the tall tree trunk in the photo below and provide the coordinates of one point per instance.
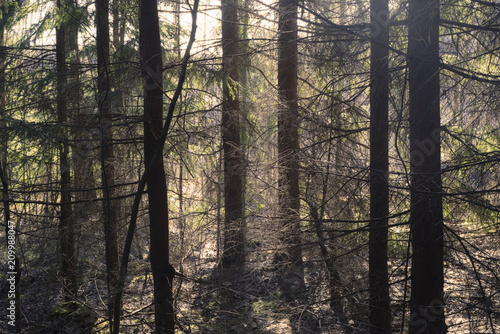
(107, 152)
(245, 99)
(426, 221)
(234, 236)
(151, 63)
(380, 313)
(153, 171)
(182, 220)
(291, 267)
(66, 228)
(83, 180)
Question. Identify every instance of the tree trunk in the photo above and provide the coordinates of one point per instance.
(151, 63)
(334, 281)
(291, 271)
(426, 221)
(380, 313)
(234, 236)
(83, 180)
(107, 153)
(182, 219)
(245, 101)
(66, 228)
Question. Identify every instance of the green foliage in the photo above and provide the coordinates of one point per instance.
(7, 10)
(398, 244)
(333, 90)
(168, 33)
(73, 316)
(264, 308)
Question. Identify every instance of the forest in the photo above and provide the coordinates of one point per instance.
(250, 166)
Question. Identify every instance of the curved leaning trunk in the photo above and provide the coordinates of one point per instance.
(151, 64)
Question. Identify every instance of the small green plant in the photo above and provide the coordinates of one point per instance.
(73, 316)
(264, 308)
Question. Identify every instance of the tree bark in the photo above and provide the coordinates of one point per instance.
(151, 64)
(245, 100)
(182, 220)
(81, 152)
(107, 153)
(292, 271)
(66, 228)
(380, 313)
(234, 236)
(426, 221)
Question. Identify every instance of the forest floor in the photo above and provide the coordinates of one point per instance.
(248, 299)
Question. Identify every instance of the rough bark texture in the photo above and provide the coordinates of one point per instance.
(66, 228)
(107, 152)
(234, 236)
(151, 63)
(426, 221)
(292, 272)
(380, 314)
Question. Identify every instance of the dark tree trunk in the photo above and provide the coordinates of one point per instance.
(151, 63)
(426, 221)
(380, 313)
(292, 271)
(107, 152)
(234, 236)
(66, 228)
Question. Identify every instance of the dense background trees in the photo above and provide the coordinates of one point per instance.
(340, 157)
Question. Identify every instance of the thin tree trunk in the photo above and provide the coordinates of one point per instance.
(291, 271)
(234, 236)
(107, 153)
(220, 177)
(245, 103)
(182, 219)
(149, 169)
(426, 221)
(81, 150)
(66, 228)
(334, 282)
(151, 62)
(380, 313)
